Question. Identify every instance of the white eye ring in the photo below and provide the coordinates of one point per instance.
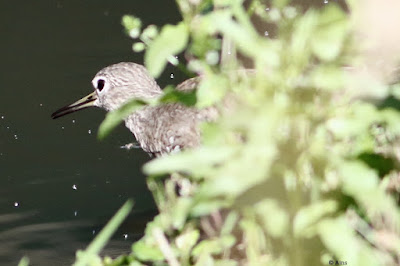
(100, 84)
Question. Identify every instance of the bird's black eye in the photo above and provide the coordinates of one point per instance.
(100, 84)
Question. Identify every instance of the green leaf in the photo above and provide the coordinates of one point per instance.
(172, 95)
(362, 183)
(204, 259)
(214, 246)
(280, 3)
(150, 32)
(138, 47)
(392, 118)
(180, 212)
(226, 262)
(328, 39)
(247, 42)
(115, 117)
(187, 240)
(355, 123)
(275, 219)
(340, 239)
(132, 25)
(171, 41)
(191, 161)
(135, 263)
(24, 261)
(302, 32)
(309, 215)
(233, 179)
(358, 179)
(328, 78)
(207, 206)
(211, 90)
(255, 238)
(229, 223)
(104, 236)
(146, 252)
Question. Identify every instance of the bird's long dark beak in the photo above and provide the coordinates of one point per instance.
(83, 103)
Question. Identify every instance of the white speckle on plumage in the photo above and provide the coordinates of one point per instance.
(176, 149)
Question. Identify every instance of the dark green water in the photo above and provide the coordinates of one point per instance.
(59, 184)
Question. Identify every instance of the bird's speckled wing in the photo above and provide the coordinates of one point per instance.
(189, 84)
(166, 128)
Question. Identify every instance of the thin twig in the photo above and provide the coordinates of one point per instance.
(165, 247)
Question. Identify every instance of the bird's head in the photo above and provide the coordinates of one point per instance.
(114, 86)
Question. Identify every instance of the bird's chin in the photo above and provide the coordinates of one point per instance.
(109, 108)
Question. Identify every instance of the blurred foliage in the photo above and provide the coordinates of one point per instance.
(297, 171)
(90, 256)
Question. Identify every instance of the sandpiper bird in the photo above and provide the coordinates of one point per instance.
(158, 129)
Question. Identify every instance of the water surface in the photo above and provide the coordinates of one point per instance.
(60, 185)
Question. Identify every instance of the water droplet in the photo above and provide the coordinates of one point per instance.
(125, 236)
(90, 131)
(266, 33)
(326, 1)
(73, 121)
(74, 187)
(2, 117)
(41, 104)
(171, 76)
(15, 137)
(62, 127)
(75, 213)
(94, 232)
(16, 204)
